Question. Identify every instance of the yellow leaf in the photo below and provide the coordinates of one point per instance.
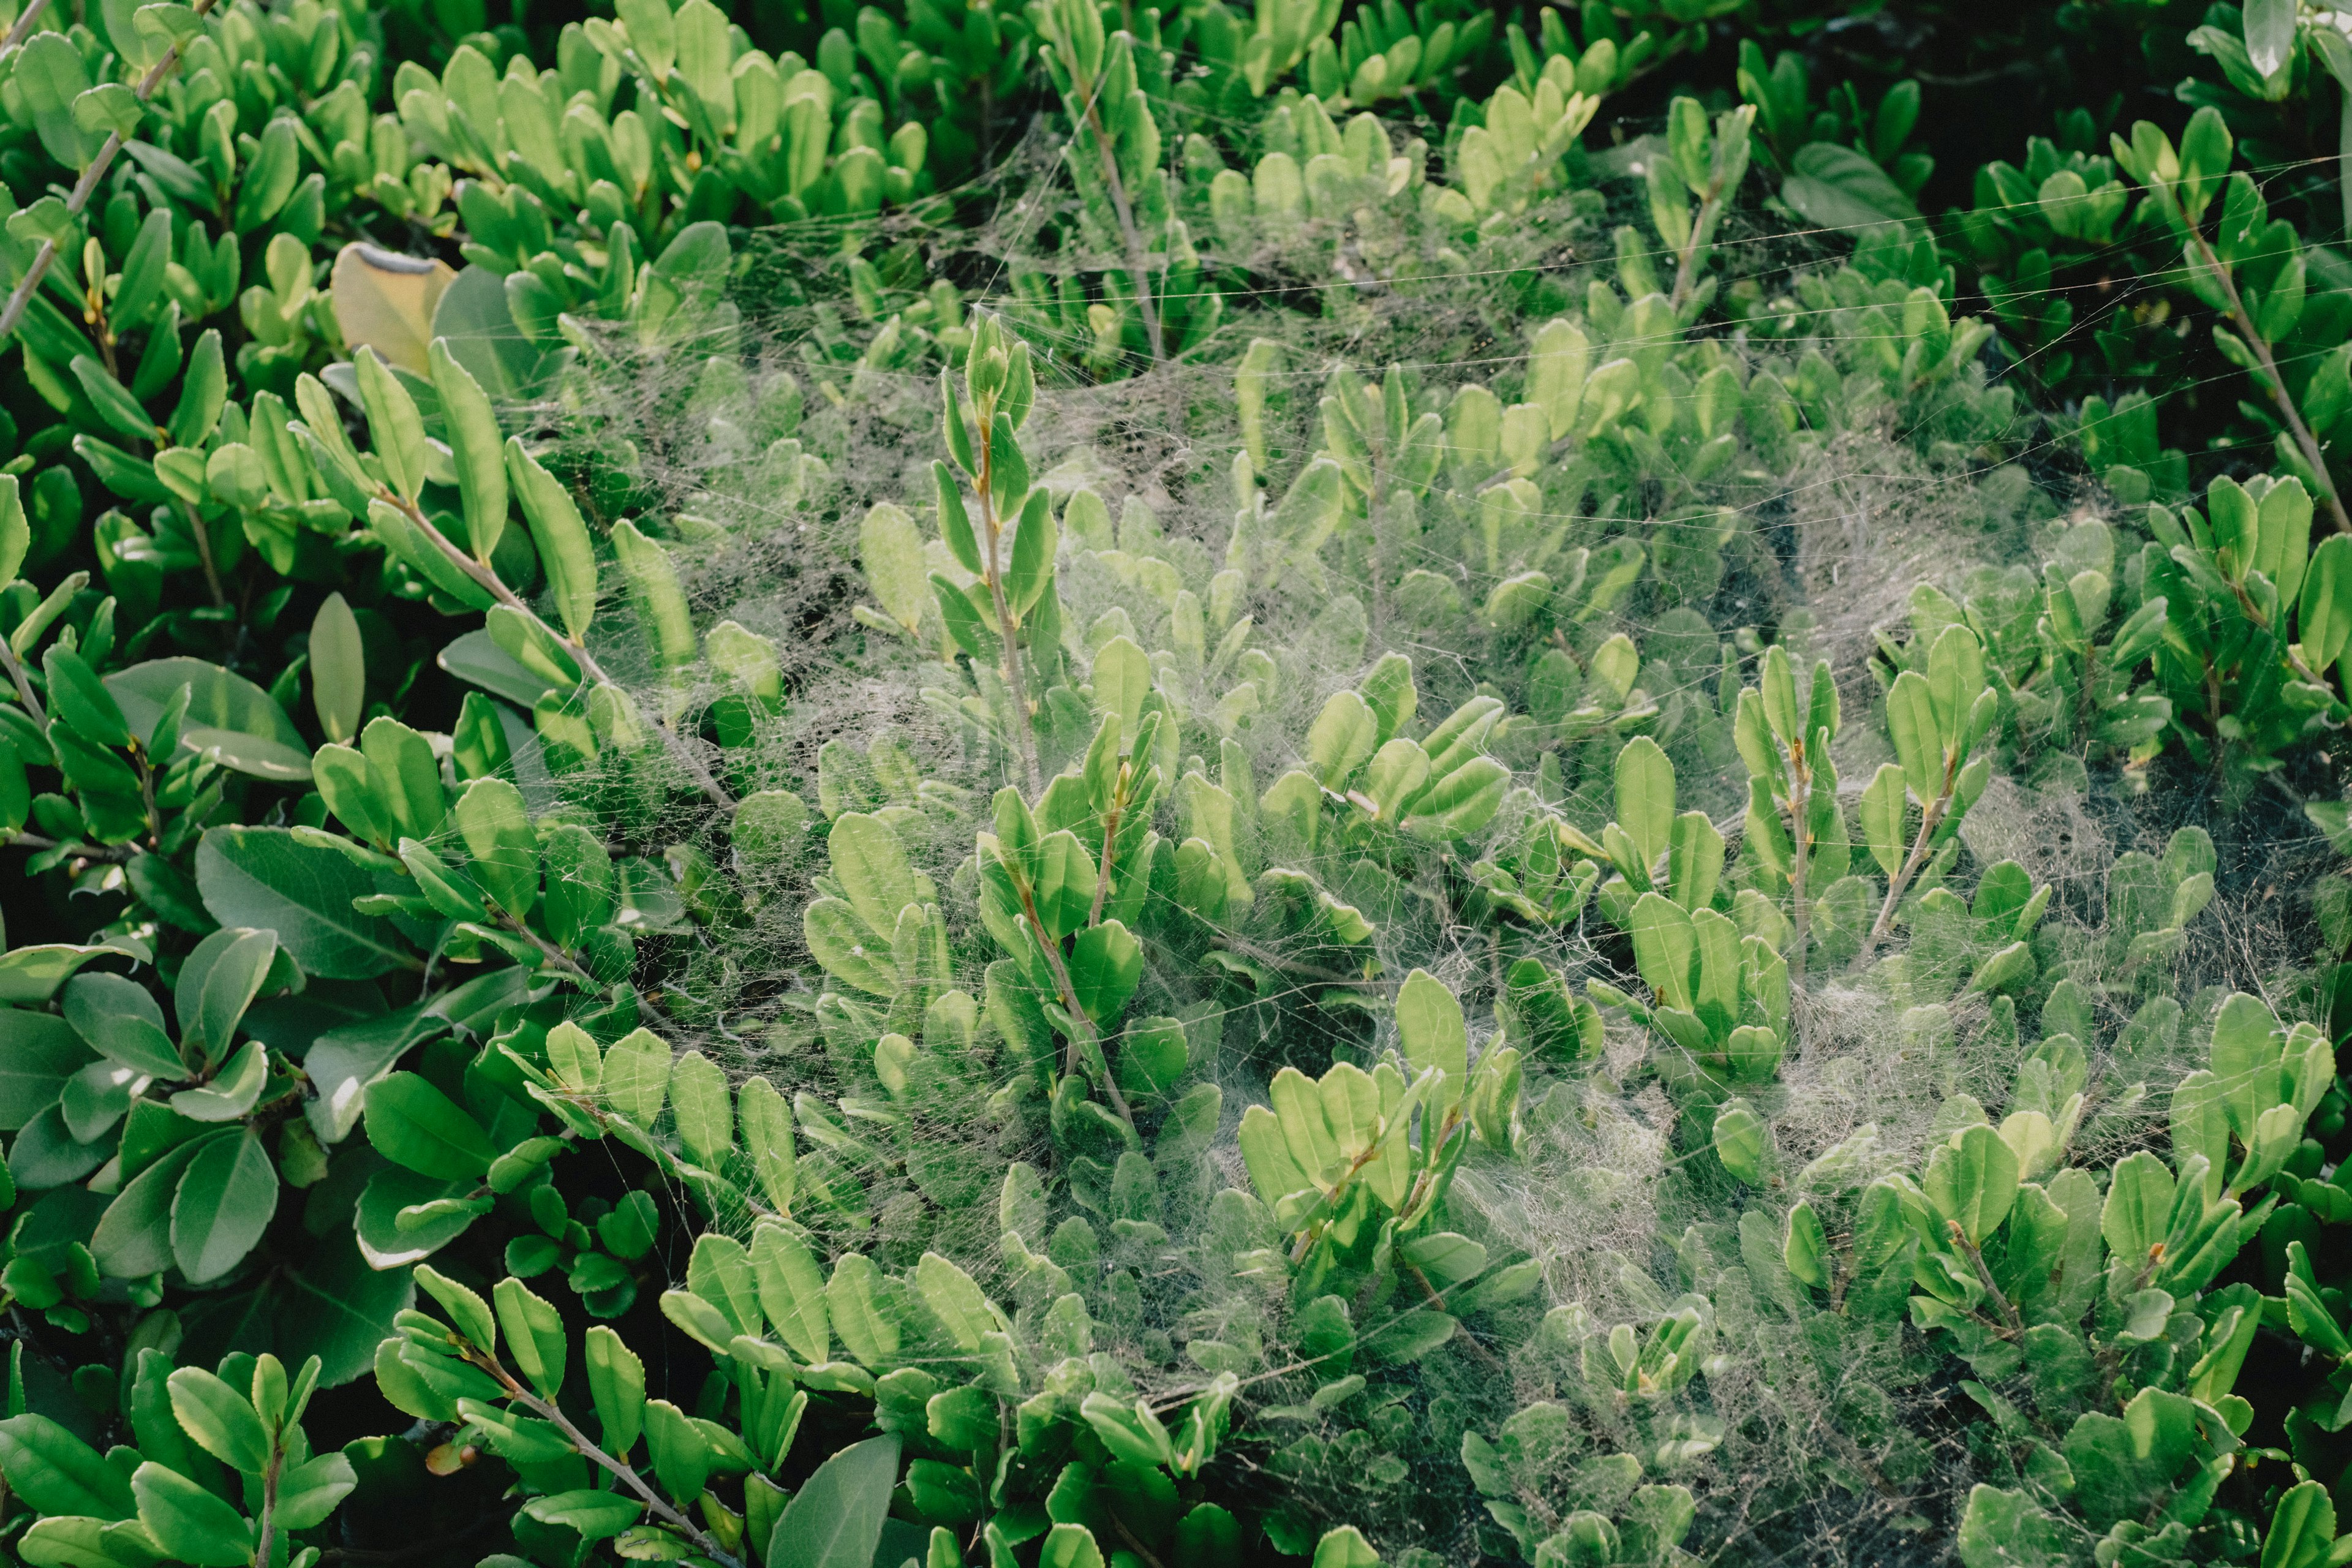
(385, 300)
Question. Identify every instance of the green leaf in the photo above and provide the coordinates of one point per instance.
(468, 1312)
(597, 1516)
(1911, 724)
(616, 1386)
(1066, 880)
(1741, 1140)
(477, 449)
(220, 1418)
(870, 863)
(718, 1271)
(1070, 1546)
(534, 1333)
(791, 1291)
(223, 1204)
(228, 719)
(1973, 1181)
(1833, 186)
(681, 1456)
(412, 1123)
(835, 1519)
(652, 578)
(337, 670)
(636, 1076)
(565, 550)
(58, 1473)
(308, 1492)
(37, 1053)
(1343, 735)
(218, 982)
(1645, 800)
(396, 428)
(233, 1092)
(82, 700)
(204, 384)
(1106, 966)
(189, 1522)
(852, 1300)
(706, 1121)
(767, 1123)
(496, 825)
(16, 533)
(890, 550)
(1430, 1031)
(1882, 817)
(262, 878)
(2010, 1530)
(1035, 541)
(133, 1238)
(956, 1301)
(2139, 1208)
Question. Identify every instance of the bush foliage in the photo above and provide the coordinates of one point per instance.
(1105, 787)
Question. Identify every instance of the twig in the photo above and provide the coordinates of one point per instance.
(492, 583)
(25, 694)
(112, 853)
(1930, 819)
(1985, 1278)
(205, 554)
(549, 950)
(1069, 999)
(268, 1522)
(993, 532)
(22, 30)
(594, 1454)
(1138, 273)
(90, 176)
(2273, 382)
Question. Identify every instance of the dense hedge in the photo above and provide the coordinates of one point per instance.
(1101, 785)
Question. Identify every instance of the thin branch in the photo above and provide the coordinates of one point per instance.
(1985, 1278)
(2273, 382)
(596, 1455)
(87, 183)
(22, 30)
(1069, 997)
(1138, 271)
(1930, 819)
(25, 693)
(205, 553)
(492, 584)
(268, 1522)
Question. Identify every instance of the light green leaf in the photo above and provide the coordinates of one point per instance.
(706, 1121)
(835, 1519)
(792, 1290)
(413, 1123)
(189, 1522)
(476, 449)
(636, 1076)
(220, 1418)
(337, 670)
(58, 1473)
(616, 1386)
(1431, 1030)
(223, 1204)
(1973, 1181)
(534, 1333)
